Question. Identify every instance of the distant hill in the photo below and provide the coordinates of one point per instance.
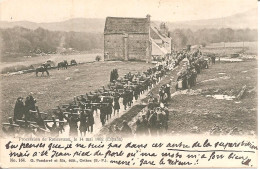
(77, 25)
(238, 21)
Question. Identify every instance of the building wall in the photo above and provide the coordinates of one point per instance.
(136, 47)
(114, 46)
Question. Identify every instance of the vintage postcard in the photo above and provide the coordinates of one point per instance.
(129, 83)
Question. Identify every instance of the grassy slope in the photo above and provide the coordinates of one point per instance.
(54, 90)
(14, 63)
(205, 112)
(231, 48)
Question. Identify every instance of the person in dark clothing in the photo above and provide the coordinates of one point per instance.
(144, 124)
(116, 74)
(138, 130)
(148, 113)
(125, 99)
(193, 77)
(83, 124)
(60, 116)
(184, 82)
(168, 91)
(73, 120)
(126, 130)
(18, 109)
(103, 114)
(111, 76)
(30, 102)
(197, 68)
(116, 106)
(213, 58)
(153, 123)
(109, 110)
(136, 92)
(29, 105)
(130, 98)
(91, 121)
(161, 93)
(166, 118)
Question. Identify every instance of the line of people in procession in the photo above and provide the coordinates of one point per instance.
(187, 77)
(28, 117)
(154, 118)
(107, 101)
(155, 121)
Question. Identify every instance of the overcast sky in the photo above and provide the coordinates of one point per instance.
(165, 10)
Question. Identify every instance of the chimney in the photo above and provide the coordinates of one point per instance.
(148, 17)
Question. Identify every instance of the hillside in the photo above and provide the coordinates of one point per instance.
(77, 25)
(238, 21)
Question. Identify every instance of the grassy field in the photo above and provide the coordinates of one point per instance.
(227, 48)
(54, 90)
(199, 114)
(23, 63)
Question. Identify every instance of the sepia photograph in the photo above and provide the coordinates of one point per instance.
(117, 83)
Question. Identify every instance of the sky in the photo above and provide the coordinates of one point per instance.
(164, 10)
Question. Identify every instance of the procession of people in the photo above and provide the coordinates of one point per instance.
(79, 114)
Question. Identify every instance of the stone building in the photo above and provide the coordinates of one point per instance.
(135, 39)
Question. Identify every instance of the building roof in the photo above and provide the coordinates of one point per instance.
(117, 25)
(156, 34)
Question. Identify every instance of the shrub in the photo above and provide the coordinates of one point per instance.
(203, 44)
(98, 58)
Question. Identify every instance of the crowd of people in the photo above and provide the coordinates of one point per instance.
(79, 114)
(154, 118)
(187, 77)
(114, 75)
(22, 109)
